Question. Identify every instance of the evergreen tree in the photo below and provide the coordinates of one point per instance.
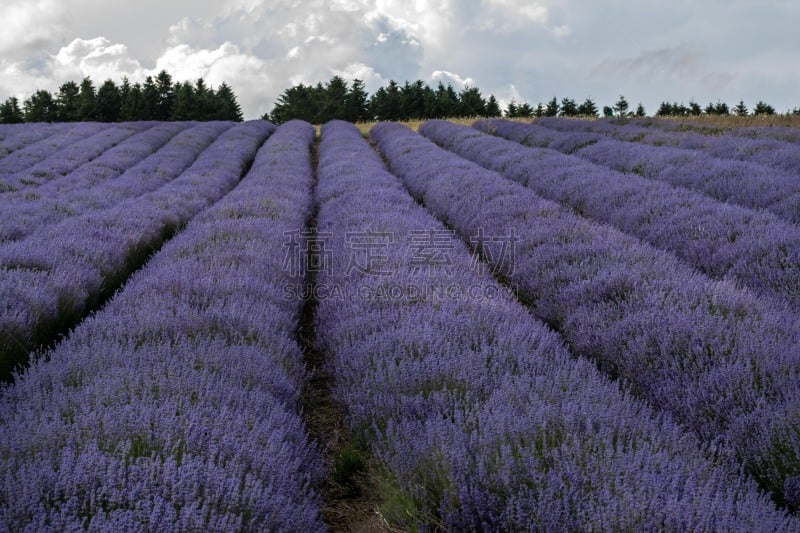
(68, 102)
(150, 92)
(10, 112)
(526, 111)
(588, 108)
(740, 109)
(492, 107)
(333, 100)
(87, 101)
(109, 102)
(640, 112)
(295, 102)
(511, 111)
(569, 108)
(134, 106)
(183, 105)
(227, 106)
(430, 104)
(621, 107)
(471, 102)
(763, 108)
(552, 108)
(664, 110)
(539, 112)
(413, 100)
(389, 106)
(162, 107)
(446, 101)
(695, 109)
(40, 107)
(356, 103)
(204, 100)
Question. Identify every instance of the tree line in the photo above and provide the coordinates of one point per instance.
(156, 99)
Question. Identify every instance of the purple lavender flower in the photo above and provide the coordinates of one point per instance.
(719, 359)
(176, 407)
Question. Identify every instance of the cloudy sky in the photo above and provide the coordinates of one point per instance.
(648, 50)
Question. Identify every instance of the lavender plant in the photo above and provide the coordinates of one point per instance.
(177, 407)
(140, 164)
(33, 153)
(480, 417)
(48, 283)
(718, 359)
(758, 249)
(746, 184)
(22, 135)
(83, 155)
(772, 153)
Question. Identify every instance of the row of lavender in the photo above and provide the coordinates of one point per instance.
(18, 136)
(779, 133)
(722, 361)
(31, 154)
(759, 249)
(176, 408)
(779, 155)
(59, 163)
(140, 164)
(739, 182)
(478, 414)
(50, 280)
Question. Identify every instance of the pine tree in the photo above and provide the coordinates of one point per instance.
(430, 107)
(539, 112)
(621, 107)
(740, 109)
(588, 108)
(227, 106)
(68, 102)
(150, 93)
(526, 111)
(109, 102)
(356, 102)
(40, 107)
(568, 107)
(695, 109)
(446, 101)
(87, 100)
(162, 108)
(763, 108)
(640, 112)
(471, 102)
(10, 112)
(511, 111)
(552, 108)
(183, 105)
(134, 106)
(664, 110)
(334, 100)
(492, 107)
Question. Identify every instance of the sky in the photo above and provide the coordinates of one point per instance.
(648, 51)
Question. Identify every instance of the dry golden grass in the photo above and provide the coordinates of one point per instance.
(732, 121)
(714, 122)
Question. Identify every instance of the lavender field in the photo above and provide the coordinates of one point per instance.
(563, 325)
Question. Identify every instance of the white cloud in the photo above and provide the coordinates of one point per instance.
(29, 26)
(453, 78)
(97, 58)
(512, 48)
